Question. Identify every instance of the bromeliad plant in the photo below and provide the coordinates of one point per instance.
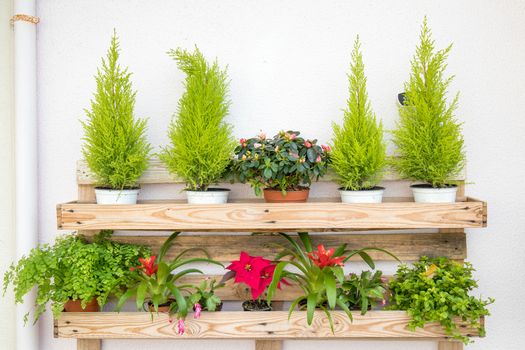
(364, 291)
(286, 162)
(204, 296)
(359, 152)
(319, 274)
(115, 148)
(157, 281)
(73, 269)
(428, 136)
(437, 290)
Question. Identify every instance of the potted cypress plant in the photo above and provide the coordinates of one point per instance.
(201, 141)
(73, 274)
(283, 166)
(428, 136)
(115, 148)
(359, 153)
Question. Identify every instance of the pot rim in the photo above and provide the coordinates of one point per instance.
(428, 186)
(210, 189)
(375, 188)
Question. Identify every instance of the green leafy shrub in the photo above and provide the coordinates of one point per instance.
(363, 291)
(437, 290)
(75, 269)
(201, 141)
(359, 153)
(428, 136)
(285, 162)
(115, 148)
(205, 295)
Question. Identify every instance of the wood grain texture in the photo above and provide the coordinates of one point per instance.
(158, 174)
(450, 345)
(89, 344)
(268, 344)
(250, 216)
(247, 325)
(406, 246)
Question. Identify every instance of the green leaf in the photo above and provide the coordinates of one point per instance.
(166, 245)
(141, 294)
(331, 292)
(305, 238)
(311, 303)
(275, 280)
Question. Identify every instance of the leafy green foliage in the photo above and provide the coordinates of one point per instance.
(115, 147)
(359, 153)
(73, 269)
(285, 162)
(437, 290)
(363, 291)
(159, 283)
(428, 136)
(201, 141)
(205, 295)
(320, 279)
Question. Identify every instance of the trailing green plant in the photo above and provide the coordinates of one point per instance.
(157, 280)
(318, 273)
(201, 140)
(73, 269)
(285, 162)
(363, 291)
(115, 145)
(359, 153)
(205, 295)
(437, 290)
(428, 136)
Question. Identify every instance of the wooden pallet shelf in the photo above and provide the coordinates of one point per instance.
(247, 325)
(260, 216)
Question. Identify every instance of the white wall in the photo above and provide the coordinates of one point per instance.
(287, 62)
(7, 237)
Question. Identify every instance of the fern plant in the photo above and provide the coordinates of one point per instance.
(428, 136)
(359, 153)
(201, 141)
(115, 148)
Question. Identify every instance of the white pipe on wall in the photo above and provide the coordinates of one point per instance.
(26, 156)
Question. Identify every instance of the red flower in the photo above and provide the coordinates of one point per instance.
(147, 265)
(323, 257)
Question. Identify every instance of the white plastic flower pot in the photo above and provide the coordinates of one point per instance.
(210, 196)
(374, 195)
(427, 194)
(107, 196)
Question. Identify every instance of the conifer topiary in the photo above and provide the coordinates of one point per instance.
(201, 141)
(428, 136)
(359, 153)
(115, 148)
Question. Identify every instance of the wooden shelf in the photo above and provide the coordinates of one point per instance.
(246, 325)
(260, 216)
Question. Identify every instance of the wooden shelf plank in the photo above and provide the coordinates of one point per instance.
(257, 216)
(246, 325)
(406, 246)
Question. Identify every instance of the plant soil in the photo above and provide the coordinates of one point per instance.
(256, 305)
(430, 186)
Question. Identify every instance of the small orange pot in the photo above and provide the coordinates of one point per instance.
(76, 306)
(276, 196)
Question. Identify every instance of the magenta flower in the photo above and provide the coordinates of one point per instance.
(198, 309)
(180, 326)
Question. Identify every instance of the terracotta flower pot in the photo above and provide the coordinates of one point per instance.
(76, 306)
(162, 307)
(276, 196)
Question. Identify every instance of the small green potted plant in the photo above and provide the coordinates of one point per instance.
(157, 282)
(319, 273)
(73, 274)
(115, 145)
(438, 290)
(201, 141)
(359, 153)
(363, 292)
(428, 136)
(283, 166)
(204, 297)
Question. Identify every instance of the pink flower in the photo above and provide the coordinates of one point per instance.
(383, 302)
(326, 148)
(262, 135)
(242, 141)
(307, 144)
(198, 309)
(257, 145)
(318, 159)
(293, 136)
(180, 326)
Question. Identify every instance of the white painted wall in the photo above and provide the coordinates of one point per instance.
(7, 237)
(287, 62)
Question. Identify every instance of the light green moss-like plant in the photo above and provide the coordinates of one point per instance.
(428, 136)
(359, 153)
(201, 141)
(115, 148)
